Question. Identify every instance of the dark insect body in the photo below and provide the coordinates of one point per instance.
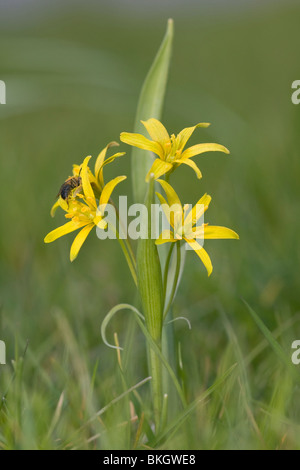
(70, 184)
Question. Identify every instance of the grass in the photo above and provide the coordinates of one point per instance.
(72, 87)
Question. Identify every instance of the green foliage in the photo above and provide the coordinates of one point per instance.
(70, 90)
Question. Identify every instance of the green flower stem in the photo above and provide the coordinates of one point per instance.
(126, 240)
(175, 282)
(166, 271)
(126, 251)
(128, 258)
(168, 341)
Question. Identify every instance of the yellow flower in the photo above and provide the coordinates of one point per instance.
(170, 150)
(95, 179)
(82, 208)
(184, 224)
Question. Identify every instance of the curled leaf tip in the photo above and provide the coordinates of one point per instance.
(113, 144)
(203, 124)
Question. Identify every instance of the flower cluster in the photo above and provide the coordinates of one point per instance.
(85, 195)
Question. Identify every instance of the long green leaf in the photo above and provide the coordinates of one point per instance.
(150, 106)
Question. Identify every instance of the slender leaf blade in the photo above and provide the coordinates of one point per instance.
(150, 106)
(281, 354)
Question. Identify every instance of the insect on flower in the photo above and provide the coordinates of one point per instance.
(66, 188)
(83, 211)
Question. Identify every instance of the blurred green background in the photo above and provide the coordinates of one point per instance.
(73, 75)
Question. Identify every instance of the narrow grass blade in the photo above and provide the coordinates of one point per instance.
(172, 428)
(285, 359)
(237, 351)
(139, 318)
(158, 352)
(115, 400)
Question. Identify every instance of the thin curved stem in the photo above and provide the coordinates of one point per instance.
(126, 240)
(178, 260)
(166, 271)
(131, 263)
(128, 258)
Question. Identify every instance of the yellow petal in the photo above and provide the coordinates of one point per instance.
(203, 255)
(100, 162)
(173, 213)
(59, 203)
(170, 192)
(79, 240)
(201, 148)
(215, 232)
(190, 163)
(92, 178)
(102, 155)
(175, 206)
(186, 133)
(198, 210)
(158, 169)
(156, 130)
(108, 189)
(112, 158)
(86, 185)
(166, 236)
(108, 160)
(165, 208)
(76, 170)
(138, 140)
(63, 230)
(100, 222)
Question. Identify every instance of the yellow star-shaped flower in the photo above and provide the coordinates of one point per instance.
(170, 150)
(185, 224)
(82, 207)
